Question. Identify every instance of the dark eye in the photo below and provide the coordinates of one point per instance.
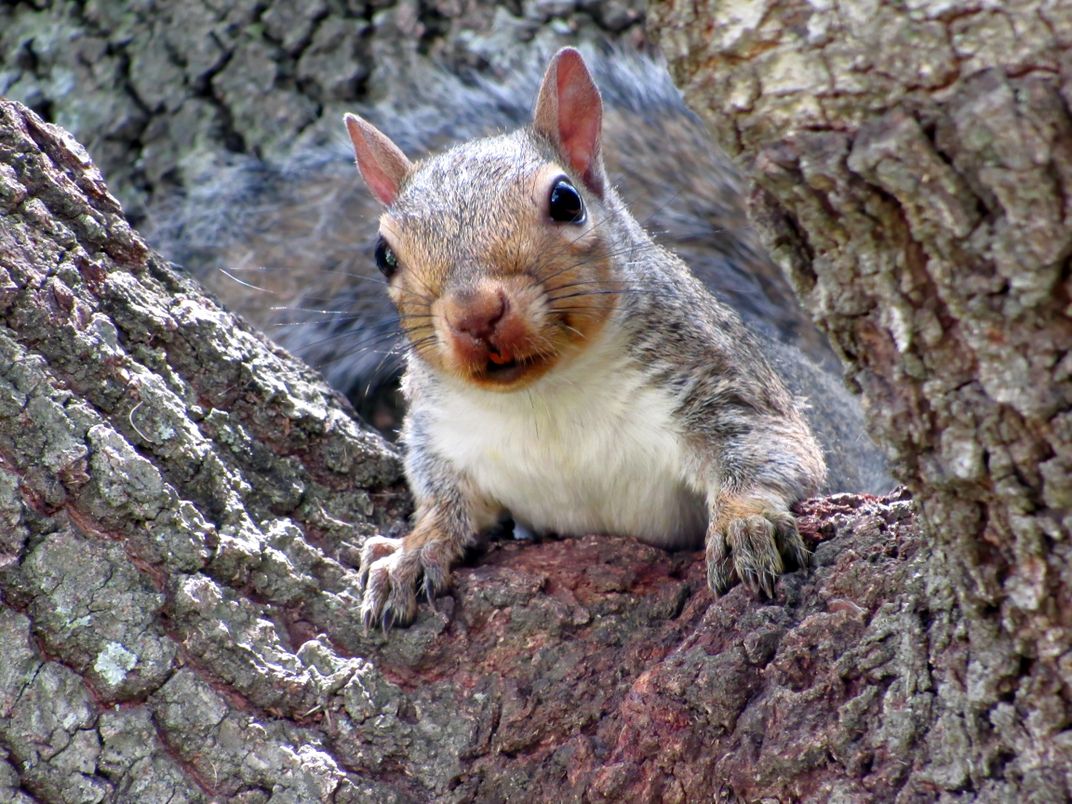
(386, 260)
(565, 204)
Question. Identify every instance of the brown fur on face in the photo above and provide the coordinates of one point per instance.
(491, 289)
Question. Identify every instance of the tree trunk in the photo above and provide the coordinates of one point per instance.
(157, 91)
(913, 172)
(182, 507)
(182, 504)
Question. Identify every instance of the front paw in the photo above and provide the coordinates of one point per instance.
(390, 571)
(752, 542)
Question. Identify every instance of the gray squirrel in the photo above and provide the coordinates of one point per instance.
(560, 366)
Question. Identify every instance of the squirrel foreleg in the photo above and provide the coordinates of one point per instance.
(751, 538)
(391, 568)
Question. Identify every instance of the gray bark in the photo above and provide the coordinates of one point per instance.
(182, 504)
(157, 89)
(173, 494)
(913, 169)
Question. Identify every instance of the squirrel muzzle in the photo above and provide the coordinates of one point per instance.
(491, 336)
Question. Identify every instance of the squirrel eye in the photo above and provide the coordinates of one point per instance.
(565, 204)
(386, 260)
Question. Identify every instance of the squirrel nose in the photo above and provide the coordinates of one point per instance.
(477, 314)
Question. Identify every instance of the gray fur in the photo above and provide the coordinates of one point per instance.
(749, 452)
(745, 449)
(304, 228)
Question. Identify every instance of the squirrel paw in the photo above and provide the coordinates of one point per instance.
(389, 572)
(752, 542)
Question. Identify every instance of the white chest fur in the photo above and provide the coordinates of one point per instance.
(590, 448)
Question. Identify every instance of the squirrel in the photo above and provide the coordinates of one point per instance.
(566, 369)
(295, 226)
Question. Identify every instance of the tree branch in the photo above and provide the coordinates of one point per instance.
(182, 509)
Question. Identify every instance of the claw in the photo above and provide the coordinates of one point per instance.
(390, 572)
(720, 573)
(748, 543)
(429, 594)
(767, 579)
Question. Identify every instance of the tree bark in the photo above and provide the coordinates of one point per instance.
(913, 171)
(182, 508)
(158, 91)
(182, 504)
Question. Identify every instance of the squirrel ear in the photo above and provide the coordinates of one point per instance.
(383, 166)
(569, 112)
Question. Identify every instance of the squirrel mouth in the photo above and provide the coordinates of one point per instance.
(503, 368)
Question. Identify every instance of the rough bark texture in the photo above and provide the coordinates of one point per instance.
(172, 490)
(181, 508)
(156, 88)
(914, 170)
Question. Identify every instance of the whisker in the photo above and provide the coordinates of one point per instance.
(575, 331)
(602, 292)
(417, 344)
(430, 295)
(242, 282)
(376, 280)
(588, 258)
(309, 322)
(283, 307)
(584, 260)
(593, 312)
(362, 337)
(425, 300)
(599, 283)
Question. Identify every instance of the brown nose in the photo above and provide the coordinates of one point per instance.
(476, 314)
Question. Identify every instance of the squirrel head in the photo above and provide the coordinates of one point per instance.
(500, 252)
